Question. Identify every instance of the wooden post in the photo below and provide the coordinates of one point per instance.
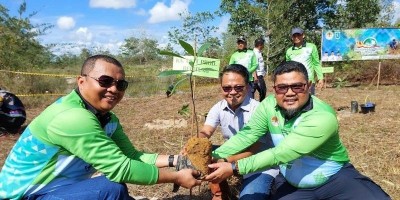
(379, 75)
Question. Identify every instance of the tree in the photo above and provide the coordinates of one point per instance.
(140, 50)
(386, 14)
(197, 29)
(19, 48)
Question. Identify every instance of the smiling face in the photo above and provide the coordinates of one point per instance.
(241, 45)
(297, 39)
(101, 98)
(291, 102)
(233, 97)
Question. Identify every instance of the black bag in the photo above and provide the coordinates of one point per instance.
(12, 112)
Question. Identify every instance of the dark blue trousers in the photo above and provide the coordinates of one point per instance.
(347, 184)
(99, 188)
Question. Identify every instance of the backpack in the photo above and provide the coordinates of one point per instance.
(12, 112)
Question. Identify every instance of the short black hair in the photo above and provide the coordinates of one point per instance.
(258, 42)
(290, 66)
(90, 62)
(236, 68)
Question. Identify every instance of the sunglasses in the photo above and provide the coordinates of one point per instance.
(107, 81)
(237, 88)
(296, 88)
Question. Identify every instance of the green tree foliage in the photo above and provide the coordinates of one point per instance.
(19, 47)
(198, 29)
(140, 50)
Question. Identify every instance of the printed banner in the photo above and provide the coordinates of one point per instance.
(205, 67)
(360, 44)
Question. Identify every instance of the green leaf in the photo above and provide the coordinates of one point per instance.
(172, 72)
(184, 111)
(188, 48)
(172, 87)
(206, 69)
(203, 47)
(168, 53)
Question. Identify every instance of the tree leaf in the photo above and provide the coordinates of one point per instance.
(172, 72)
(203, 47)
(206, 69)
(188, 48)
(168, 53)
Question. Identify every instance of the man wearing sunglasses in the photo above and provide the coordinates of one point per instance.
(78, 135)
(305, 131)
(231, 114)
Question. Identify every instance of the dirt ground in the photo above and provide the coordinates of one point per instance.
(154, 125)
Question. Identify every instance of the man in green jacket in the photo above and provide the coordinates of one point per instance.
(308, 150)
(248, 59)
(307, 54)
(78, 135)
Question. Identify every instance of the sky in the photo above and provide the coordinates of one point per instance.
(105, 24)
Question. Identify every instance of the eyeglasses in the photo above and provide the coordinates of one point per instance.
(296, 88)
(107, 81)
(237, 88)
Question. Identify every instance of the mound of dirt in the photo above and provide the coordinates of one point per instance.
(199, 152)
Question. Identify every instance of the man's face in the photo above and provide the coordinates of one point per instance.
(298, 38)
(102, 99)
(230, 81)
(241, 45)
(291, 101)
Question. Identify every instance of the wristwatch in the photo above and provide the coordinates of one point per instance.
(235, 168)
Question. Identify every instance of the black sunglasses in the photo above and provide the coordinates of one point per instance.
(107, 81)
(296, 88)
(237, 88)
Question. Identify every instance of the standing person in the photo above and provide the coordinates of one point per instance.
(231, 114)
(247, 58)
(307, 54)
(305, 131)
(61, 149)
(259, 83)
(12, 113)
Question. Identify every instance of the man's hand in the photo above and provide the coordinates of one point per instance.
(223, 170)
(183, 163)
(187, 178)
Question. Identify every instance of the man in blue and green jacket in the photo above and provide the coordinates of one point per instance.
(311, 157)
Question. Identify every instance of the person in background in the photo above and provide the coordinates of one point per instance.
(248, 59)
(261, 71)
(12, 113)
(314, 164)
(61, 149)
(307, 54)
(231, 114)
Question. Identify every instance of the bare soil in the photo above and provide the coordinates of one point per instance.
(372, 139)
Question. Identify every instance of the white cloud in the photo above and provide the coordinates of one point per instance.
(115, 4)
(162, 13)
(66, 23)
(83, 35)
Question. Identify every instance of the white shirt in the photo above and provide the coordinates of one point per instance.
(261, 71)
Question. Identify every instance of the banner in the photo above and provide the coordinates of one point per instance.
(360, 44)
(205, 67)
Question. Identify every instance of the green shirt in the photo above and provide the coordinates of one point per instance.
(65, 144)
(307, 54)
(246, 58)
(307, 147)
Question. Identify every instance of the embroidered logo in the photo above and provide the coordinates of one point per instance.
(274, 121)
